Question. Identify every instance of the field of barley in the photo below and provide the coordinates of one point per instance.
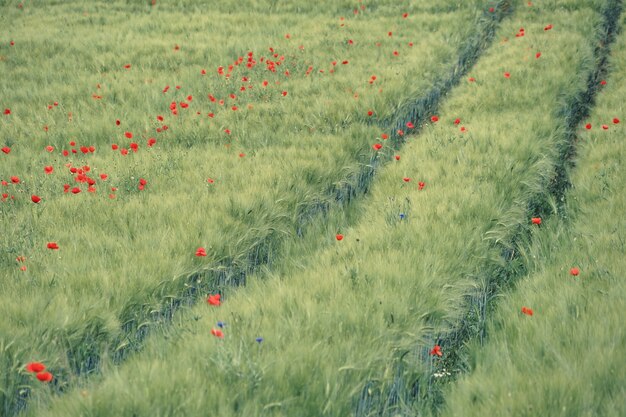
(332, 208)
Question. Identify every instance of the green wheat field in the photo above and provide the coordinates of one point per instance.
(384, 208)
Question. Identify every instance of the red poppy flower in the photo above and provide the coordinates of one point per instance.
(7, 111)
(574, 271)
(406, 179)
(538, 55)
(151, 142)
(527, 311)
(457, 121)
(588, 126)
(507, 75)
(35, 367)
(436, 350)
(134, 147)
(6, 150)
(35, 199)
(75, 190)
(284, 93)
(124, 151)
(463, 129)
(129, 135)
(44, 376)
(339, 236)
(405, 15)
(200, 252)
(410, 125)
(471, 79)
(491, 10)
(421, 185)
(377, 146)
(53, 245)
(241, 155)
(536, 220)
(605, 127)
(217, 333)
(615, 120)
(548, 27)
(397, 157)
(15, 180)
(384, 136)
(210, 180)
(400, 132)
(50, 148)
(117, 122)
(603, 82)
(434, 119)
(127, 66)
(214, 299)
